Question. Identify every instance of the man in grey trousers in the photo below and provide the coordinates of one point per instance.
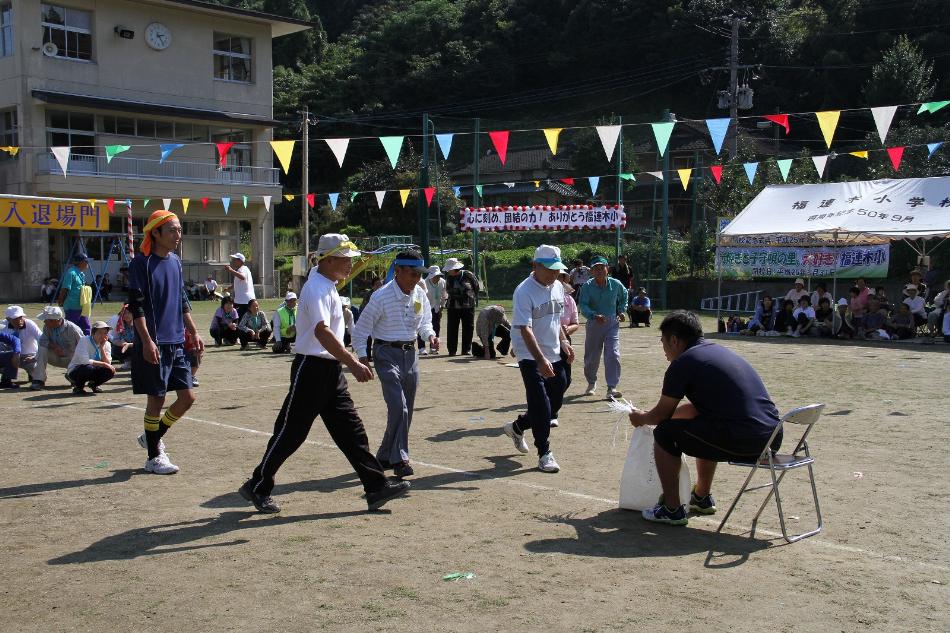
(395, 315)
(603, 303)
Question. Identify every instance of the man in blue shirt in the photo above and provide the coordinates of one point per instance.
(9, 359)
(640, 309)
(603, 302)
(70, 293)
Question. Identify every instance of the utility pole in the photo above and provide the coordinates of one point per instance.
(476, 198)
(305, 183)
(618, 247)
(734, 87)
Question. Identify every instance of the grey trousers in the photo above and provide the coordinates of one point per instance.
(398, 374)
(45, 357)
(606, 337)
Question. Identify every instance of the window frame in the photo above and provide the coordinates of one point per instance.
(6, 42)
(231, 56)
(9, 135)
(48, 27)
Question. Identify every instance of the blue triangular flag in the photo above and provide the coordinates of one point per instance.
(457, 191)
(445, 143)
(594, 183)
(717, 130)
(168, 148)
(750, 169)
(333, 200)
(227, 204)
(933, 147)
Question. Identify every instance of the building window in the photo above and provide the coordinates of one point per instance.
(6, 29)
(232, 58)
(8, 132)
(69, 29)
(75, 129)
(238, 156)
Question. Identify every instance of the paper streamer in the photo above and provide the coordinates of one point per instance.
(334, 198)
(779, 119)
(226, 202)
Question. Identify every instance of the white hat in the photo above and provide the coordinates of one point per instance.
(910, 287)
(842, 301)
(434, 271)
(15, 312)
(549, 257)
(99, 325)
(336, 245)
(452, 264)
(289, 296)
(238, 256)
(51, 313)
(800, 281)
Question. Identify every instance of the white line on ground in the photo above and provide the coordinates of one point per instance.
(578, 495)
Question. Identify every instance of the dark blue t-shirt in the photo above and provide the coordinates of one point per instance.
(724, 387)
(160, 281)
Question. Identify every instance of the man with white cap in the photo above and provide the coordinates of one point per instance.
(28, 333)
(797, 292)
(318, 387)
(435, 289)
(243, 288)
(604, 303)
(462, 290)
(285, 324)
(538, 340)
(57, 343)
(396, 314)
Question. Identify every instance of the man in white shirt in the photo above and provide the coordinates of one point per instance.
(435, 289)
(29, 334)
(538, 340)
(394, 316)
(797, 292)
(243, 289)
(210, 286)
(916, 304)
(318, 387)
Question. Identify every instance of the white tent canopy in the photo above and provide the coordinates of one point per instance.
(870, 211)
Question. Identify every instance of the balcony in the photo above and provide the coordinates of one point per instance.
(148, 169)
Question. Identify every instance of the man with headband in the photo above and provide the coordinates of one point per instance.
(161, 312)
(318, 387)
(395, 314)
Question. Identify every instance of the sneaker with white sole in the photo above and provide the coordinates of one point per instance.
(516, 438)
(591, 389)
(547, 464)
(160, 465)
(613, 394)
(661, 514)
(554, 422)
(144, 443)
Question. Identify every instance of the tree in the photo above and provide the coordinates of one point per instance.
(903, 75)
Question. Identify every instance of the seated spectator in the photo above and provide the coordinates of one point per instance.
(192, 290)
(821, 290)
(917, 278)
(804, 316)
(881, 295)
(764, 319)
(209, 288)
(901, 324)
(254, 326)
(858, 308)
(57, 343)
(29, 334)
(824, 317)
(915, 302)
(92, 360)
(224, 323)
(9, 359)
(797, 292)
(946, 326)
(48, 290)
(941, 303)
(843, 326)
(639, 309)
(735, 324)
(106, 288)
(285, 324)
(785, 322)
(122, 337)
(875, 321)
(863, 292)
(491, 322)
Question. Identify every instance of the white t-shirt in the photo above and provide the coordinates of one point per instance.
(29, 337)
(211, 285)
(318, 302)
(244, 288)
(795, 295)
(539, 307)
(809, 312)
(916, 305)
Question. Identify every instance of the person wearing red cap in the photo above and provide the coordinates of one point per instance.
(161, 313)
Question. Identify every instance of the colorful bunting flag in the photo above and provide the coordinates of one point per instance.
(12, 150)
(284, 151)
(113, 150)
(430, 191)
(404, 196)
(662, 132)
(184, 204)
(223, 149)
(244, 199)
(144, 203)
(445, 144)
(456, 190)
(566, 181)
(717, 131)
(204, 203)
(828, 121)
(392, 145)
(380, 196)
(684, 175)
(628, 177)
(931, 148)
(167, 204)
(780, 119)
(288, 197)
(167, 149)
(716, 171)
(499, 139)
(479, 188)
(537, 184)
(334, 198)
(656, 174)
(896, 154)
(882, 120)
(552, 134)
(784, 166)
(338, 147)
(820, 162)
(932, 106)
(750, 169)
(860, 154)
(608, 138)
(267, 200)
(226, 203)
(594, 183)
(353, 195)
(61, 153)
(110, 202)
(311, 200)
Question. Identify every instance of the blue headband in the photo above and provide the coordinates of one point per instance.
(548, 260)
(412, 263)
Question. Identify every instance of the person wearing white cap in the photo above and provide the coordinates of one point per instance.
(29, 334)
(285, 324)
(243, 288)
(318, 386)
(57, 343)
(538, 340)
(435, 289)
(92, 360)
(797, 292)
(462, 289)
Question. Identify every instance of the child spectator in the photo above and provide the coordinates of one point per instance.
(764, 319)
(843, 326)
(804, 316)
(785, 322)
(858, 308)
(254, 326)
(915, 302)
(881, 295)
(224, 323)
(824, 317)
(901, 325)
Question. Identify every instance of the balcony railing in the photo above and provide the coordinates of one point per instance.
(147, 169)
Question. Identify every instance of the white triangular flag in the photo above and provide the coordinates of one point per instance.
(338, 146)
(656, 174)
(820, 162)
(62, 156)
(267, 200)
(379, 198)
(166, 203)
(608, 138)
(882, 119)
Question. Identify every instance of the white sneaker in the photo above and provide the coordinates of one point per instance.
(160, 465)
(554, 422)
(547, 464)
(613, 393)
(518, 439)
(144, 444)
(422, 352)
(591, 389)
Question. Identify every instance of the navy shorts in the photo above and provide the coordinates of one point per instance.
(172, 373)
(714, 440)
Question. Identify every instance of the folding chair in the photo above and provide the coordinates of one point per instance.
(778, 465)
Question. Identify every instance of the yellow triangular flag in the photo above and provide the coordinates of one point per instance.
(11, 150)
(288, 198)
(684, 176)
(284, 150)
(828, 121)
(551, 135)
(184, 204)
(404, 195)
(862, 154)
(92, 202)
(537, 184)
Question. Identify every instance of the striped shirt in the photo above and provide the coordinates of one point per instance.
(392, 315)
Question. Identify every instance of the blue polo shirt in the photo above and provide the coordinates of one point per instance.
(160, 281)
(73, 282)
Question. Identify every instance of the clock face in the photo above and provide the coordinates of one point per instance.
(158, 36)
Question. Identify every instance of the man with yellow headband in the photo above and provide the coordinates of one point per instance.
(161, 313)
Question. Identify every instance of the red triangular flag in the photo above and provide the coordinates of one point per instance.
(567, 181)
(716, 172)
(111, 204)
(430, 191)
(500, 141)
(780, 119)
(204, 203)
(896, 154)
(311, 200)
(223, 151)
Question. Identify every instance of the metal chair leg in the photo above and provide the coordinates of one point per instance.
(736, 500)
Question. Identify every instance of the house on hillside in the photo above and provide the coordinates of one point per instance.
(528, 177)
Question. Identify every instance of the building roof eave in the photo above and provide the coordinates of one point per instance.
(280, 25)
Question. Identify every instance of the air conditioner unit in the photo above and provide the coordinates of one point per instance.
(50, 50)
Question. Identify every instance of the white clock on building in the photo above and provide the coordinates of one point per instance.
(158, 36)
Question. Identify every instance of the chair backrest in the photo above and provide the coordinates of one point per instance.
(806, 415)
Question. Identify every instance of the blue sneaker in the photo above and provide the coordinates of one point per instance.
(702, 505)
(661, 514)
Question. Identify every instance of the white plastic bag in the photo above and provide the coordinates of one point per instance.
(640, 484)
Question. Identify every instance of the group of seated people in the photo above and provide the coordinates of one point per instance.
(228, 328)
(866, 314)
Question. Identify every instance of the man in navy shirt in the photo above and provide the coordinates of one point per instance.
(161, 313)
(730, 415)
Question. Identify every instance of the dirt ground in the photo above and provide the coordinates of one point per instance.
(91, 543)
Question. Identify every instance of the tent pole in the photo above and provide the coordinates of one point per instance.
(718, 272)
(834, 285)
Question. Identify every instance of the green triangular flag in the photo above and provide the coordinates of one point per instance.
(932, 106)
(353, 195)
(629, 177)
(112, 150)
(783, 166)
(662, 132)
(478, 188)
(145, 204)
(245, 201)
(392, 145)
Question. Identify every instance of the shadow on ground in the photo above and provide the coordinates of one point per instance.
(30, 490)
